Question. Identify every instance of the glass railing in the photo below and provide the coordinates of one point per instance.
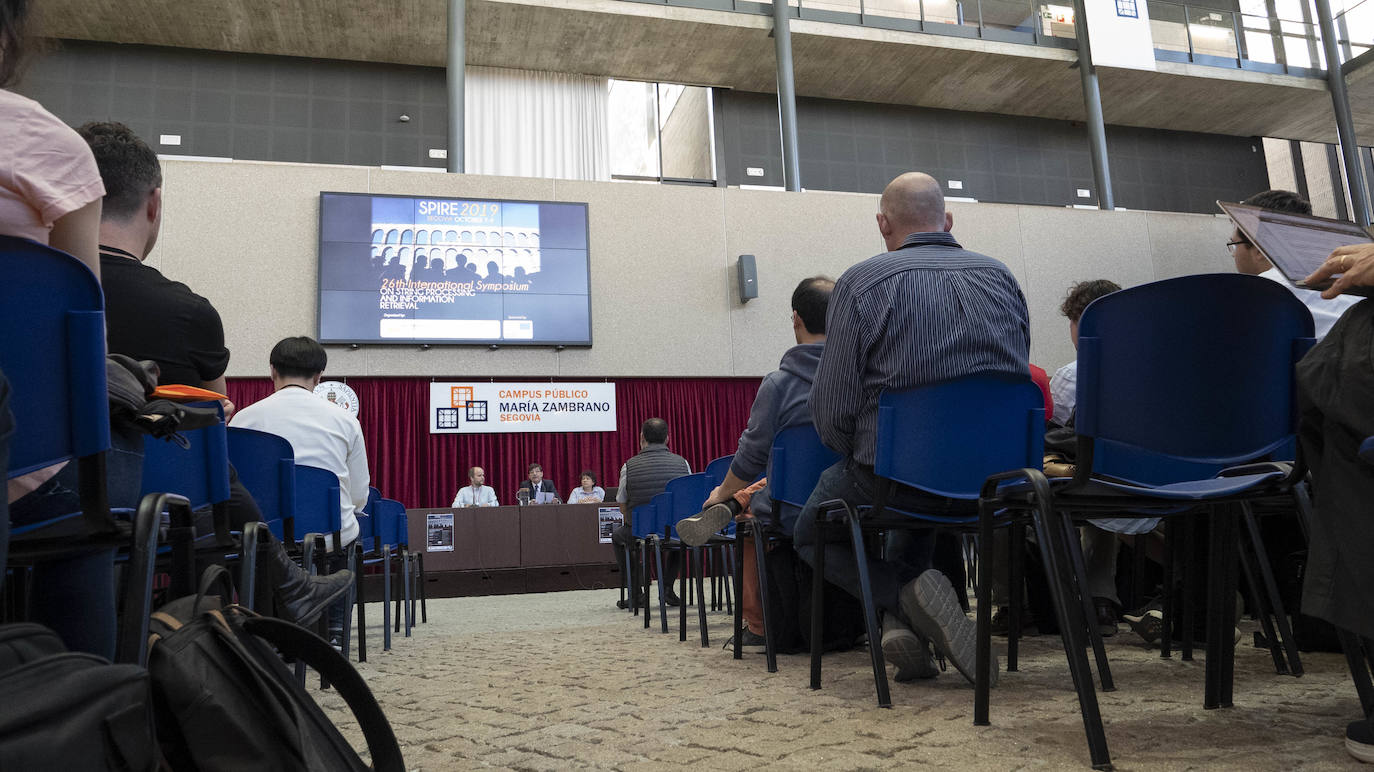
(1012, 20)
(1208, 36)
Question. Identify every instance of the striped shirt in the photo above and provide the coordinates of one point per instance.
(928, 312)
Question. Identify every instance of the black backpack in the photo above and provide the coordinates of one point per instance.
(225, 700)
(67, 710)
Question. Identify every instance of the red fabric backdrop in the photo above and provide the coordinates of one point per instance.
(705, 417)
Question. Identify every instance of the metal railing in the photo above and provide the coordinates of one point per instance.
(1227, 38)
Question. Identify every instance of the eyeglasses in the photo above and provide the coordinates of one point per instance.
(1231, 245)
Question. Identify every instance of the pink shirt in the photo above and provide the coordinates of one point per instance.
(46, 169)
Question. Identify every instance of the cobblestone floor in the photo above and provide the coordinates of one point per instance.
(565, 681)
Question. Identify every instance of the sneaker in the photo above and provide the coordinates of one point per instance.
(1001, 621)
(905, 649)
(698, 529)
(1359, 741)
(1147, 622)
(933, 608)
(749, 641)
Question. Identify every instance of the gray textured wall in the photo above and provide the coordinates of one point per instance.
(244, 234)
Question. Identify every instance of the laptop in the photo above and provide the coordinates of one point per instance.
(1297, 244)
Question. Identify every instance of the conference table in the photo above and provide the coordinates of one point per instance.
(532, 536)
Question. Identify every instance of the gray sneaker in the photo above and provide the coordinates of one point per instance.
(933, 608)
(907, 651)
(698, 529)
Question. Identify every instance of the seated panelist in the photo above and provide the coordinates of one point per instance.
(588, 492)
(475, 493)
(536, 484)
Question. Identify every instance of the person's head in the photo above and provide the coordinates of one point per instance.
(1248, 258)
(653, 432)
(131, 212)
(588, 479)
(1078, 298)
(13, 21)
(912, 203)
(810, 300)
(536, 473)
(297, 361)
(477, 476)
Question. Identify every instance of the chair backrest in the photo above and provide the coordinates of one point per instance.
(200, 471)
(643, 519)
(366, 531)
(52, 349)
(795, 464)
(318, 507)
(663, 514)
(688, 491)
(373, 496)
(388, 522)
(717, 469)
(947, 438)
(266, 465)
(1178, 379)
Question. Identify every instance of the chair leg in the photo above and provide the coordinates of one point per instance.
(875, 643)
(1271, 590)
(662, 601)
(1263, 611)
(701, 607)
(817, 602)
(1075, 552)
(644, 581)
(738, 548)
(1072, 626)
(770, 646)
(1016, 540)
(405, 575)
(1166, 641)
(685, 577)
(982, 668)
(1189, 582)
(728, 576)
(362, 612)
(131, 642)
(424, 593)
(1221, 603)
(386, 598)
(1355, 659)
(351, 552)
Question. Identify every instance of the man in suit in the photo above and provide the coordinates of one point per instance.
(536, 484)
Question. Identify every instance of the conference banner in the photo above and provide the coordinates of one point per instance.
(494, 408)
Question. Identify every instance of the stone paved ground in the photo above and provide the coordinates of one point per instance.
(565, 681)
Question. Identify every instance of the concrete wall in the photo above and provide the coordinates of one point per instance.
(244, 234)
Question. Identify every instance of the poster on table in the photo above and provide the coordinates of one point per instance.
(439, 532)
(607, 520)
(493, 408)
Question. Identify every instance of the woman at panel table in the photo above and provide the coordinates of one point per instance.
(588, 492)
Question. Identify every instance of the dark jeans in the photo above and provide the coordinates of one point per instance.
(907, 553)
(75, 596)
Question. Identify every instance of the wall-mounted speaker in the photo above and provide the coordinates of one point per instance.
(748, 275)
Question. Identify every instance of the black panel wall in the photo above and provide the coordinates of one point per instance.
(267, 108)
(860, 147)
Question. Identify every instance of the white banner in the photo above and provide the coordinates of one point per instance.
(493, 408)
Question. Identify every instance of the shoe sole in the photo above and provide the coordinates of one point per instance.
(1149, 626)
(698, 529)
(934, 609)
(905, 650)
(1360, 750)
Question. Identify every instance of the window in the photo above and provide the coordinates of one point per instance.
(661, 131)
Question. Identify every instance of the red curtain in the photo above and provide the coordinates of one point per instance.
(705, 417)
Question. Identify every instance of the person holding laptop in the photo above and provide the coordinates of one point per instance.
(475, 494)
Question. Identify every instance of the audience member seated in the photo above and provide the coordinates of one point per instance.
(588, 492)
(881, 336)
(1336, 400)
(535, 485)
(322, 435)
(1325, 310)
(475, 493)
(642, 477)
(782, 402)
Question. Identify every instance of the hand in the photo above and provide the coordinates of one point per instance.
(228, 409)
(1354, 262)
(715, 497)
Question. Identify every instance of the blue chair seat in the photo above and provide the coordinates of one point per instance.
(1367, 450)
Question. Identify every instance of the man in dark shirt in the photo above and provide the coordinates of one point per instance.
(925, 311)
(148, 315)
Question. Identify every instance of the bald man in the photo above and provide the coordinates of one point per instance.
(925, 311)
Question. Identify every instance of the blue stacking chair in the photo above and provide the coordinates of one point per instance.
(643, 521)
(942, 441)
(1185, 386)
(266, 465)
(684, 495)
(198, 471)
(377, 528)
(52, 349)
(795, 464)
(661, 535)
(411, 567)
(718, 467)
